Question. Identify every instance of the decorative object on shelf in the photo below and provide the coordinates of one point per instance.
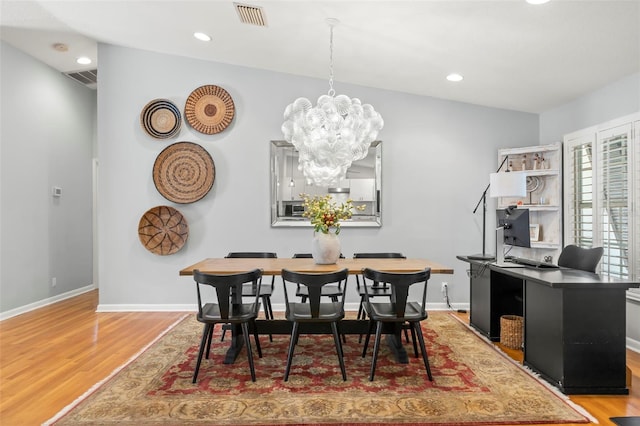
(534, 232)
(209, 109)
(524, 162)
(184, 172)
(163, 230)
(161, 119)
(331, 135)
(533, 184)
(325, 216)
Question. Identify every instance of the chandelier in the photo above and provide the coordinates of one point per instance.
(331, 135)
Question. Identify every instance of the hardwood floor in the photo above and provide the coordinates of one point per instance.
(51, 356)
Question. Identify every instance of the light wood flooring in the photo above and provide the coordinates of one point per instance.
(51, 356)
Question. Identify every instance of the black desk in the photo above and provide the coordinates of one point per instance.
(574, 322)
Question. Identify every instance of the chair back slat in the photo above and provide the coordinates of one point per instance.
(400, 285)
(251, 255)
(314, 283)
(377, 255)
(227, 288)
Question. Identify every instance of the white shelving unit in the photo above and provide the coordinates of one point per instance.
(544, 196)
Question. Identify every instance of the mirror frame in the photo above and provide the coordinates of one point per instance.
(278, 170)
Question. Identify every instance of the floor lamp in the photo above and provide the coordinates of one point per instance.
(502, 184)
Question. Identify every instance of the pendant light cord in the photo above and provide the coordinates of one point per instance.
(332, 92)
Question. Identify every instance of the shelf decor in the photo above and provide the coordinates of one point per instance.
(163, 230)
(184, 172)
(209, 109)
(543, 198)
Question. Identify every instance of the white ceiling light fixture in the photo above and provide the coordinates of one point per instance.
(455, 77)
(537, 1)
(83, 60)
(202, 36)
(331, 135)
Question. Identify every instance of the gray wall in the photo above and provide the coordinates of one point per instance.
(615, 100)
(437, 158)
(46, 140)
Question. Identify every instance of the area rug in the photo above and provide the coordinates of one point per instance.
(474, 384)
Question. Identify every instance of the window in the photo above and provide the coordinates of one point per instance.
(602, 183)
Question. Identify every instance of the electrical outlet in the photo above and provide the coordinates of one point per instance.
(444, 287)
(54, 281)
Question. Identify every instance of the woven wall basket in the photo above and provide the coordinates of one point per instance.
(209, 109)
(163, 230)
(161, 119)
(184, 172)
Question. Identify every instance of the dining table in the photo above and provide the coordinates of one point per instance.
(274, 266)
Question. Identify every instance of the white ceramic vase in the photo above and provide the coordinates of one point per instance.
(325, 248)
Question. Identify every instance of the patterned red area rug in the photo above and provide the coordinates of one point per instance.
(474, 384)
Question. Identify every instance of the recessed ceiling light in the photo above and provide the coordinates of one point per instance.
(83, 60)
(454, 77)
(202, 36)
(537, 1)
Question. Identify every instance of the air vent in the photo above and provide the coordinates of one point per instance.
(251, 14)
(89, 78)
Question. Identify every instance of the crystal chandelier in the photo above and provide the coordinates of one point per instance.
(331, 135)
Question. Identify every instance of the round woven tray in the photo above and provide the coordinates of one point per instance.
(163, 230)
(161, 119)
(209, 109)
(184, 172)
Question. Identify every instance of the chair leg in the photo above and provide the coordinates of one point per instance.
(425, 358)
(336, 339)
(406, 334)
(376, 348)
(292, 345)
(268, 312)
(361, 314)
(224, 331)
(247, 342)
(415, 344)
(255, 337)
(203, 342)
(209, 338)
(366, 340)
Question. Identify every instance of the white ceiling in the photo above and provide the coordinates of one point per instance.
(512, 54)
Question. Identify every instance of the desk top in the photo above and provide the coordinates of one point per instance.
(275, 266)
(558, 277)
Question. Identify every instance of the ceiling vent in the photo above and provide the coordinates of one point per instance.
(251, 14)
(89, 77)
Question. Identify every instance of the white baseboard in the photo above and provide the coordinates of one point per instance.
(45, 302)
(633, 345)
(277, 307)
(146, 308)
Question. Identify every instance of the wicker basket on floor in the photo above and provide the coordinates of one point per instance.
(511, 331)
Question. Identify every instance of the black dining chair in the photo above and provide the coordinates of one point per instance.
(314, 310)
(397, 310)
(585, 259)
(376, 289)
(333, 291)
(249, 291)
(225, 307)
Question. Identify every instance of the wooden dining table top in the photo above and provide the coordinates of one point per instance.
(275, 266)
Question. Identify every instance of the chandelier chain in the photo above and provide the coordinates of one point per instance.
(332, 92)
